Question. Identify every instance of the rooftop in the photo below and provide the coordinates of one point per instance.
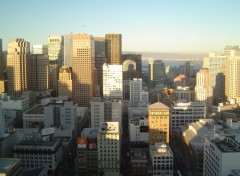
(7, 163)
(36, 110)
(226, 144)
(158, 105)
(34, 171)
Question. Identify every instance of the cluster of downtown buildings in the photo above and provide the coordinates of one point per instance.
(78, 106)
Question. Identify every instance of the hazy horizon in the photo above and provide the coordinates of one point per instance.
(146, 26)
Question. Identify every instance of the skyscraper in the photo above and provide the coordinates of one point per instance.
(83, 65)
(138, 60)
(114, 48)
(65, 82)
(18, 66)
(56, 60)
(100, 59)
(215, 63)
(232, 82)
(203, 89)
(188, 69)
(228, 49)
(68, 50)
(39, 80)
(159, 123)
(112, 81)
(156, 69)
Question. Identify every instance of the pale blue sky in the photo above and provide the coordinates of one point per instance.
(145, 25)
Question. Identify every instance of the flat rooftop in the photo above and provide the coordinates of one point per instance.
(7, 163)
(36, 110)
(33, 171)
(228, 144)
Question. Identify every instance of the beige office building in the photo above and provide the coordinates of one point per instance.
(114, 49)
(18, 66)
(65, 82)
(83, 65)
(159, 123)
(232, 77)
(203, 89)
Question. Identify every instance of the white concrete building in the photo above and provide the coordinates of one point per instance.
(112, 81)
(103, 110)
(8, 102)
(54, 113)
(55, 49)
(109, 141)
(140, 110)
(137, 95)
(184, 93)
(215, 63)
(221, 155)
(138, 129)
(203, 88)
(162, 159)
(183, 113)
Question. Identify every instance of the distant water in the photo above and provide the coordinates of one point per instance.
(197, 64)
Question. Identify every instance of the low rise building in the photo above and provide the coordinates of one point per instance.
(35, 152)
(184, 93)
(138, 129)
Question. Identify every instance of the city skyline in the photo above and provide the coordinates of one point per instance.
(146, 26)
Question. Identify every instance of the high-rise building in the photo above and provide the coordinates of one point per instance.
(65, 82)
(156, 70)
(2, 121)
(55, 50)
(100, 59)
(0, 45)
(159, 123)
(39, 68)
(83, 65)
(203, 89)
(135, 58)
(188, 69)
(232, 81)
(2, 63)
(136, 92)
(114, 48)
(228, 49)
(53, 77)
(56, 60)
(68, 50)
(109, 149)
(215, 64)
(18, 66)
(112, 81)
